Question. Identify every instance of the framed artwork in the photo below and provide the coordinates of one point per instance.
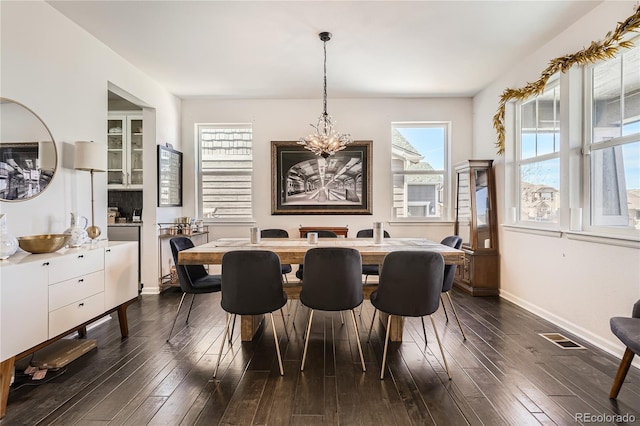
(305, 183)
(169, 177)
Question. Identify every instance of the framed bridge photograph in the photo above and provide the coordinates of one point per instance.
(305, 183)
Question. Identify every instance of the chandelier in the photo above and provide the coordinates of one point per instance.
(325, 141)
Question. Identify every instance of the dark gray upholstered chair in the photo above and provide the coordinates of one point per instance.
(369, 269)
(332, 282)
(628, 331)
(321, 234)
(252, 285)
(278, 233)
(194, 279)
(449, 272)
(410, 286)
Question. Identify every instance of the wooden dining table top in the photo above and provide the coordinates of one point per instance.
(292, 250)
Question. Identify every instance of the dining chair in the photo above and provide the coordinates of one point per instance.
(321, 234)
(447, 283)
(252, 285)
(332, 282)
(278, 233)
(194, 279)
(628, 331)
(369, 269)
(410, 286)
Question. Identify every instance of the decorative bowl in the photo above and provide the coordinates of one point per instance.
(45, 243)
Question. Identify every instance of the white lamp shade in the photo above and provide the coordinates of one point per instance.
(90, 156)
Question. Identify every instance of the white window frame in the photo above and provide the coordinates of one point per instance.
(553, 83)
(200, 174)
(443, 214)
(592, 181)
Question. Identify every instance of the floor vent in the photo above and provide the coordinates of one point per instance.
(562, 341)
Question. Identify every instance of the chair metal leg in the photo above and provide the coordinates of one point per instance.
(365, 279)
(386, 345)
(455, 314)
(226, 331)
(371, 327)
(355, 325)
(190, 306)
(446, 366)
(284, 324)
(444, 308)
(306, 341)
(625, 363)
(424, 330)
(176, 318)
(233, 326)
(275, 337)
(341, 317)
(286, 280)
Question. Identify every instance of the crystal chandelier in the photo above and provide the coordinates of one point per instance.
(325, 141)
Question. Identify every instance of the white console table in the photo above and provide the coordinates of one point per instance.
(44, 297)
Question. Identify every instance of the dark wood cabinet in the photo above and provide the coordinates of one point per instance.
(476, 223)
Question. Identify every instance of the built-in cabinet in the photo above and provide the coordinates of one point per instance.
(476, 223)
(43, 297)
(124, 151)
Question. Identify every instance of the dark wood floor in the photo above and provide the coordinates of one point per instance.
(504, 373)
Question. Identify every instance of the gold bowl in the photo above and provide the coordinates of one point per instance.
(45, 243)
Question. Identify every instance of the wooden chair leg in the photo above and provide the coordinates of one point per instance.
(386, 346)
(306, 341)
(176, 318)
(275, 338)
(444, 358)
(371, 327)
(355, 326)
(622, 373)
(226, 332)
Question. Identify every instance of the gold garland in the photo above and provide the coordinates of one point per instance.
(597, 51)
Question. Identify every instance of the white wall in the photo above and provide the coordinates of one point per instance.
(576, 284)
(288, 120)
(62, 73)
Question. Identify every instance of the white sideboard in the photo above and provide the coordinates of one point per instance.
(44, 297)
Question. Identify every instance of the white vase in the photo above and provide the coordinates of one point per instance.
(8, 243)
(77, 230)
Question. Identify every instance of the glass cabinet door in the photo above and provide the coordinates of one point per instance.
(482, 207)
(135, 153)
(463, 208)
(115, 151)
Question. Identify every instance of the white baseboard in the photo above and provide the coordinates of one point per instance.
(613, 346)
(150, 290)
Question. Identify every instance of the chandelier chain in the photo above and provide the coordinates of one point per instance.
(325, 141)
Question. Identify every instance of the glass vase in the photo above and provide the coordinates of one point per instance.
(8, 243)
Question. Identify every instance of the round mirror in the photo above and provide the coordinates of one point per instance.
(28, 155)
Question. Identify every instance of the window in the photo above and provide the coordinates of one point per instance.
(419, 168)
(538, 157)
(614, 142)
(225, 171)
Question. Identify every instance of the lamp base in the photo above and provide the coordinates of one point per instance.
(93, 232)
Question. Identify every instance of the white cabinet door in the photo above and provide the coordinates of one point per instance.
(121, 273)
(23, 307)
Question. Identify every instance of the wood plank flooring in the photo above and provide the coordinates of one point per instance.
(503, 374)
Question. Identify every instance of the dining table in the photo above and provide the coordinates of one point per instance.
(293, 250)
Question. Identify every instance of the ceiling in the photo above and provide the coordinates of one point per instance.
(271, 49)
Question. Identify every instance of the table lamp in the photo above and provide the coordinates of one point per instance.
(91, 157)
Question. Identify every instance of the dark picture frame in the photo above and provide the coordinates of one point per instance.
(169, 177)
(305, 183)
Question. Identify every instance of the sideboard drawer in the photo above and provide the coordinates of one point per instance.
(74, 314)
(72, 265)
(75, 289)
